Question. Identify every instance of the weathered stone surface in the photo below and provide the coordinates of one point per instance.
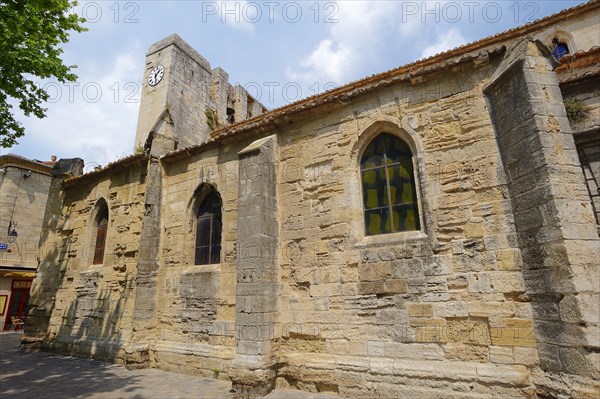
(544, 220)
(494, 296)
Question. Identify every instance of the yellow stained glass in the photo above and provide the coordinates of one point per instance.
(392, 174)
(369, 177)
(404, 171)
(411, 223)
(382, 215)
(396, 220)
(407, 193)
(372, 198)
(368, 165)
(374, 223)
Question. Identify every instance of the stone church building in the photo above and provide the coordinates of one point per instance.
(427, 232)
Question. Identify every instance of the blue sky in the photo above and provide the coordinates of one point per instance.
(281, 51)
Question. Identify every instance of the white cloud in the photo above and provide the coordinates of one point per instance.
(416, 17)
(325, 62)
(239, 14)
(368, 34)
(94, 119)
(351, 44)
(445, 41)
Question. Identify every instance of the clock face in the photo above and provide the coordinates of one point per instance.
(156, 75)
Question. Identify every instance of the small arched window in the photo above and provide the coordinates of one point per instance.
(208, 230)
(388, 182)
(559, 49)
(101, 227)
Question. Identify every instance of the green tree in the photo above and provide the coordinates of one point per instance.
(31, 33)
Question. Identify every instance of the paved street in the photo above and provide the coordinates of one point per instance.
(45, 375)
(50, 376)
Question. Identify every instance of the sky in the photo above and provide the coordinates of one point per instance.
(281, 51)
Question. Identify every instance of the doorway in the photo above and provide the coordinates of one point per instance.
(19, 302)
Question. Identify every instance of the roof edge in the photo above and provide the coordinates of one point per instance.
(25, 163)
(123, 163)
(419, 67)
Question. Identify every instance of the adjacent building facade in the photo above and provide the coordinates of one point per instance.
(430, 231)
(24, 186)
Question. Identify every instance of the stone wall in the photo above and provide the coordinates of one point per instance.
(78, 307)
(444, 311)
(368, 316)
(585, 94)
(196, 311)
(554, 221)
(361, 316)
(496, 295)
(23, 201)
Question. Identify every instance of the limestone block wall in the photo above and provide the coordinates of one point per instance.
(587, 92)
(196, 330)
(184, 90)
(586, 132)
(483, 300)
(440, 312)
(23, 202)
(443, 311)
(93, 304)
(554, 219)
(219, 94)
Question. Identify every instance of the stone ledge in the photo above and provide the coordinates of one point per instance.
(296, 394)
(201, 269)
(487, 373)
(200, 350)
(391, 239)
(104, 350)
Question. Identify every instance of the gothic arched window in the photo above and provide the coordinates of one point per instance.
(388, 183)
(100, 227)
(208, 230)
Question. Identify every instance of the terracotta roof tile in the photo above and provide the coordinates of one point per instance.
(120, 164)
(580, 65)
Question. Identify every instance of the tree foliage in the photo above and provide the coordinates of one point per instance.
(31, 33)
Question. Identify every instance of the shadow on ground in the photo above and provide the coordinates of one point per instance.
(45, 375)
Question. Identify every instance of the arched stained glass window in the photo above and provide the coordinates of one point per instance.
(389, 191)
(208, 230)
(101, 227)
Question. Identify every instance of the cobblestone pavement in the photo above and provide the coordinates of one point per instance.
(26, 375)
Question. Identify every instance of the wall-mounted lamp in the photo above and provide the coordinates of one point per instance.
(12, 232)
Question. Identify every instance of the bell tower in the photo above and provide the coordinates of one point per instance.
(175, 94)
(184, 100)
